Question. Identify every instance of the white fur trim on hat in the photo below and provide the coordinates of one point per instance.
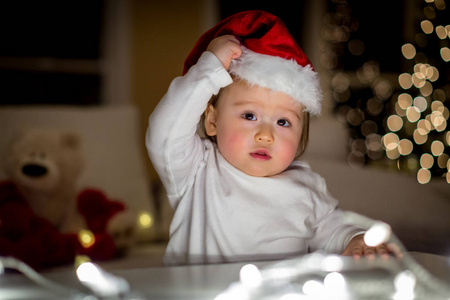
(281, 75)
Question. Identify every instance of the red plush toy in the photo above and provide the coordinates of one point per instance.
(42, 213)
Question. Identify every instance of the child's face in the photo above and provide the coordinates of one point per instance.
(257, 130)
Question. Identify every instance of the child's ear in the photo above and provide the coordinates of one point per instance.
(210, 120)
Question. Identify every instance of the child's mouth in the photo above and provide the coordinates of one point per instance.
(261, 155)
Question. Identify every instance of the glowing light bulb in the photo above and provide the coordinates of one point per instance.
(86, 238)
(334, 282)
(377, 234)
(100, 282)
(250, 276)
(312, 287)
(145, 220)
(404, 284)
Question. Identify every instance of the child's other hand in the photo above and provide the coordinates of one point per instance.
(226, 48)
(357, 248)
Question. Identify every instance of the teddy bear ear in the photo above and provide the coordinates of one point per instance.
(70, 140)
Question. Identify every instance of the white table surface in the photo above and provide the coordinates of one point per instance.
(181, 282)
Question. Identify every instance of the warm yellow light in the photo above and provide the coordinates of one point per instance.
(441, 32)
(437, 106)
(418, 80)
(443, 160)
(405, 81)
(394, 123)
(390, 141)
(426, 89)
(421, 103)
(392, 154)
(419, 139)
(428, 118)
(81, 259)
(413, 114)
(447, 138)
(432, 74)
(427, 26)
(409, 51)
(442, 126)
(405, 147)
(399, 111)
(445, 113)
(423, 176)
(145, 220)
(445, 54)
(447, 28)
(423, 127)
(426, 161)
(438, 120)
(437, 148)
(405, 100)
(86, 238)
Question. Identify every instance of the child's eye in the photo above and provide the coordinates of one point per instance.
(249, 116)
(284, 123)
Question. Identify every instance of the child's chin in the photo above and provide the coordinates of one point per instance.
(259, 172)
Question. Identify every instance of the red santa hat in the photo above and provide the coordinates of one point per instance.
(271, 57)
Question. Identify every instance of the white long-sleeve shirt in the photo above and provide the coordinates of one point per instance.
(222, 214)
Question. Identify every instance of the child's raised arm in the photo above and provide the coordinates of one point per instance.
(225, 48)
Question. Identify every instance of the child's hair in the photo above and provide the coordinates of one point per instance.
(305, 130)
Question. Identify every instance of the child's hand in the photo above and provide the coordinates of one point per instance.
(226, 48)
(357, 248)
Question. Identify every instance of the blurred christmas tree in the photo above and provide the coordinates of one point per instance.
(395, 120)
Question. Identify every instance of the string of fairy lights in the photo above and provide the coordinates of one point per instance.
(398, 121)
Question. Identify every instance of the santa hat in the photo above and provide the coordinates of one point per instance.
(271, 57)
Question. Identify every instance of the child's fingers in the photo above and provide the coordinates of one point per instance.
(394, 249)
(357, 252)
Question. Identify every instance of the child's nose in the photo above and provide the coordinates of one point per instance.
(264, 135)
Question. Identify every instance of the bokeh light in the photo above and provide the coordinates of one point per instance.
(145, 219)
(426, 161)
(405, 147)
(405, 81)
(394, 123)
(86, 238)
(408, 51)
(413, 114)
(445, 54)
(427, 26)
(423, 176)
(437, 148)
